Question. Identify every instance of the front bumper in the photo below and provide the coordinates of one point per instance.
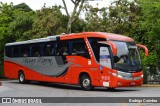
(122, 79)
(117, 82)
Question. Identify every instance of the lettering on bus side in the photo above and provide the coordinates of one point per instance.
(37, 60)
(45, 61)
(29, 61)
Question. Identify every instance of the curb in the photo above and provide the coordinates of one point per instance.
(151, 85)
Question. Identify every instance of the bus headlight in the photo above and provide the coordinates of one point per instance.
(114, 74)
(120, 76)
(138, 78)
(123, 75)
(142, 75)
(117, 75)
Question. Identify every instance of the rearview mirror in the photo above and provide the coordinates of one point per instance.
(143, 47)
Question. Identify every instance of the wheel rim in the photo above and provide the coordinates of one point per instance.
(86, 83)
(21, 77)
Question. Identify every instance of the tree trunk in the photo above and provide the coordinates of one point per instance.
(74, 14)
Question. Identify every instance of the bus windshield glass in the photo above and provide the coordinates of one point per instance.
(127, 59)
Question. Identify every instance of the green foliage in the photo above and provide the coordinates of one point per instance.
(78, 6)
(121, 17)
(96, 19)
(22, 7)
(6, 16)
(151, 60)
(78, 26)
(47, 22)
(22, 23)
(151, 20)
(149, 64)
(1, 70)
(150, 25)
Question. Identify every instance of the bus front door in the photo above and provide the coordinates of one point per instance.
(105, 63)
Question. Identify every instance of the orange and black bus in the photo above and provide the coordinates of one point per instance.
(88, 59)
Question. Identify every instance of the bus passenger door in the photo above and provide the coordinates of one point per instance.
(105, 62)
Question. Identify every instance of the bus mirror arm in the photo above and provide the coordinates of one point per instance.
(143, 47)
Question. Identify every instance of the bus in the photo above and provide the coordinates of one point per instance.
(88, 59)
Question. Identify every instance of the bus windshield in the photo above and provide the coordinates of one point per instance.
(127, 59)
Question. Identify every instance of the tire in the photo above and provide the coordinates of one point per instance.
(85, 82)
(21, 78)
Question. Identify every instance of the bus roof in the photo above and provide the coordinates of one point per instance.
(47, 39)
(108, 36)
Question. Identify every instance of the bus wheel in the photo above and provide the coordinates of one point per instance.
(85, 82)
(21, 77)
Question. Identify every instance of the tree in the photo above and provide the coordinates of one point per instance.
(124, 16)
(47, 22)
(21, 24)
(96, 18)
(6, 16)
(120, 17)
(150, 24)
(14, 23)
(78, 26)
(23, 7)
(78, 5)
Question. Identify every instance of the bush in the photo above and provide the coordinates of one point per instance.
(149, 65)
(1, 66)
(146, 74)
(1, 71)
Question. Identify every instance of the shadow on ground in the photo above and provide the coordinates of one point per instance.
(75, 87)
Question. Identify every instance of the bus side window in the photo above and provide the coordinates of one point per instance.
(79, 48)
(15, 51)
(95, 48)
(62, 48)
(8, 51)
(48, 49)
(25, 49)
(35, 51)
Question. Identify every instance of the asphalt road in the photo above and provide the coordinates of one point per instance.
(12, 88)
